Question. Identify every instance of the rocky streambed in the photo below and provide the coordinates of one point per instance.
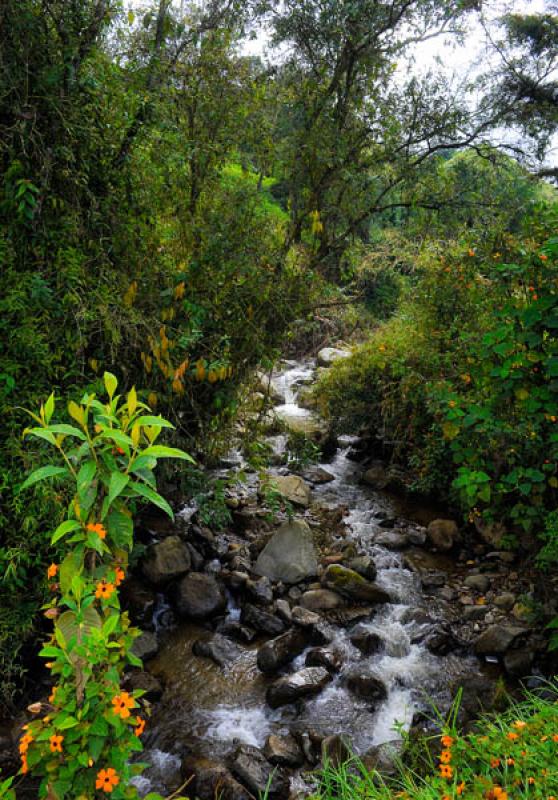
(274, 644)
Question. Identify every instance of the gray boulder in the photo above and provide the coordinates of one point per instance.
(328, 355)
(442, 534)
(283, 751)
(200, 596)
(350, 584)
(289, 556)
(166, 560)
(498, 639)
(321, 600)
(277, 652)
(252, 768)
(304, 683)
(292, 488)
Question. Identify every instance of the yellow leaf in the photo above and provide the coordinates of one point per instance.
(152, 399)
(132, 400)
(177, 386)
(131, 17)
(94, 364)
(553, 482)
(521, 394)
(76, 412)
(135, 435)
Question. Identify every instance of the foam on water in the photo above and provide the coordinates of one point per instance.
(247, 725)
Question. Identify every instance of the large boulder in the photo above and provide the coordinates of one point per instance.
(289, 556)
(166, 560)
(292, 488)
(442, 534)
(200, 596)
(498, 639)
(350, 584)
(328, 355)
(367, 686)
(253, 769)
(321, 600)
(267, 386)
(304, 683)
(277, 652)
(212, 780)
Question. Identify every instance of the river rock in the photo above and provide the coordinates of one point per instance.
(139, 600)
(326, 657)
(261, 591)
(321, 600)
(200, 596)
(277, 652)
(284, 610)
(336, 750)
(506, 601)
(366, 685)
(304, 683)
(442, 641)
(498, 639)
(442, 534)
(383, 758)
(261, 620)
(283, 751)
(318, 475)
(289, 556)
(305, 618)
(293, 488)
(252, 768)
(376, 476)
(365, 640)
(479, 583)
(348, 616)
(144, 682)
(145, 646)
(166, 560)
(327, 355)
(349, 583)
(218, 648)
(235, 630)
(364, 565)
(212, 780)
(392, 540)
(519, 663)
(266, 386)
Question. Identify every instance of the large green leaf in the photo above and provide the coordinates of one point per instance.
(160, 451)
(66, 527)
(153, 497)
(154, 422)
(70, 627)
(72, 565)
(121, 529)
(42, 473)
(85, 477)
(118, 482)
(68, 430)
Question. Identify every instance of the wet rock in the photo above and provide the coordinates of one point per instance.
(304, 617)
(348, 616)
(280, 651)
(417, 615)
(326, 657)
(213, 780)
(252, 769)
(349, 583)
(166, 560)
(196, 558)
(442, 641)
(392, 540)
(498, 639)
(289, 556)
(292, 488)
(365, 640)
(367, 686)
(262, 620)
(519, 663)
(145, 646)
(283, 751)
(417, 536)
(139, 601)
(218, 648)
(321, 600)
(474, 613)
(200, 596)
(364, 565)
(442, 534)
(260, 591)
(144, 682)
(479, 583)
(235, 630)
(376, 476)
(434, 580)
(336, 750)
(235, 579)
(318, 475)
(304, 683)
(505, 601)
(284, 610)
(384, 757)
(327, 355)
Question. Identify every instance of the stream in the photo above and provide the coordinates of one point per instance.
(209, 709)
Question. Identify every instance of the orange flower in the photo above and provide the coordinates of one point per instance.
(56, 743)
(460, 788)
(446, 771)
(122, 703)
(140, 727)
(24, 743)
(24, 765)
(494, 762)
(497, 792)
(447, 741)
(52, 570)
(104, 590)
(530, 780)
(52, 695)
(470, 252)
(512, 736)
(510, 762)
(97, 528)
(519, 724)
(120, 575)
(543, 257)
(555, 737)
(445, 756)
(107, 779)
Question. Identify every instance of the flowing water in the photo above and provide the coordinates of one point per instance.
(208, 709)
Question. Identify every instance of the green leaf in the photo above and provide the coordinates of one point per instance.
(121, 529)
(69, 722)
(154, 422)
(42, 473)
(49, 651)
(42, 433)
(63, 529)
(72, 565)
(49, 408)
(118, 482)
(99, 727)
(85, 477)
(153, 497)
(110, 383)
(68, 430)
(111, 624)
(159, 451)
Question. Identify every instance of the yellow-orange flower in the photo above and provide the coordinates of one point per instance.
(446, 771)
(52, 695)
(543, 257)
(497, 792)
(119, 576)
(470, 252)
(512, 736)
(510, 762)
(122, 703)
(56, 743)
(140, 727)
(24, 765)
(24, 743)
(97, 528)
(104, 590)
(530, 780)
(460, 788)
(555, 737)
(445, 756)
(447, 741)
(52, 571)
(494, 762)
(107, 779)
(519, 724)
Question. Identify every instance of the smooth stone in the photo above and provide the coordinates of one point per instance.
(262, 620)
(506, 600)
(304, 683)
(365, 640)
(218, 648)
(376, 476)
(349, 583)
(318, 475)
(321, 600)
(442, 534)
(284, 610)
(480, 583)
(166, 560)
(252, 768)
(327, 355)
(145, 646)
(283, 751)
(290, 555)
(498, 639)
(367, 686)
(392, 540)
(293, 488)
(277, 652)
(200, 596)
(326, 657)
(474, 613)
